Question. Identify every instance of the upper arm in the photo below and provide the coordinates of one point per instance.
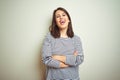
(47, 54)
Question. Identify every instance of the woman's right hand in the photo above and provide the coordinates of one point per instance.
(62, 65)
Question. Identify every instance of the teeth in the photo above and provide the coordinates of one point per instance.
(62, 22)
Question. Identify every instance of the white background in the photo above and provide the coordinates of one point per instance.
(24, 24)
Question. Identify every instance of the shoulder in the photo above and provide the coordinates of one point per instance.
(49, 37)
(77, 39)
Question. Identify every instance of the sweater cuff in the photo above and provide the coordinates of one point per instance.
(70, 60)
(55, 64)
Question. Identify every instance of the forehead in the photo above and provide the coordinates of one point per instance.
(59, 12)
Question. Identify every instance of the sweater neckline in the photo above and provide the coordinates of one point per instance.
(63, 38)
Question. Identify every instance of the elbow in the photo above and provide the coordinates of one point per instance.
(75, 61)
(79, 61)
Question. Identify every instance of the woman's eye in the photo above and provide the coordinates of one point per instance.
(57, 16)
(64, 15)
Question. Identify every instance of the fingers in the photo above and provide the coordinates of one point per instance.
(75, 53)
(62, 65)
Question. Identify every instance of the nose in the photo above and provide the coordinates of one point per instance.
(61, 17)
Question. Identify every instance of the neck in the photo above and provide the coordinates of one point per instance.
(63, 33)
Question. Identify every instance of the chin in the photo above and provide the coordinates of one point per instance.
(63, 27)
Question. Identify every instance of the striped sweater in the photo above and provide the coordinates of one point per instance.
(62, 46)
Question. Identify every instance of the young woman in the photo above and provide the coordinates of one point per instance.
(62, 51)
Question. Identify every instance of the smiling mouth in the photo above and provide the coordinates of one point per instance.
(62, 22)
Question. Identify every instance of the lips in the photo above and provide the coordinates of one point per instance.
(62, 22)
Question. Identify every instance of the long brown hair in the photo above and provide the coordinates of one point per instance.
(54, 30)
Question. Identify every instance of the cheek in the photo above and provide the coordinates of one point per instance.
(57, 21)
(67, 19)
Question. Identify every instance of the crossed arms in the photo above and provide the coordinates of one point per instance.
(62, 61)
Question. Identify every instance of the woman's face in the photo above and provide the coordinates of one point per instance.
(62, 19)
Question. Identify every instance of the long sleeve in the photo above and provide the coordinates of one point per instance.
(76, 60)
(47, 54)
